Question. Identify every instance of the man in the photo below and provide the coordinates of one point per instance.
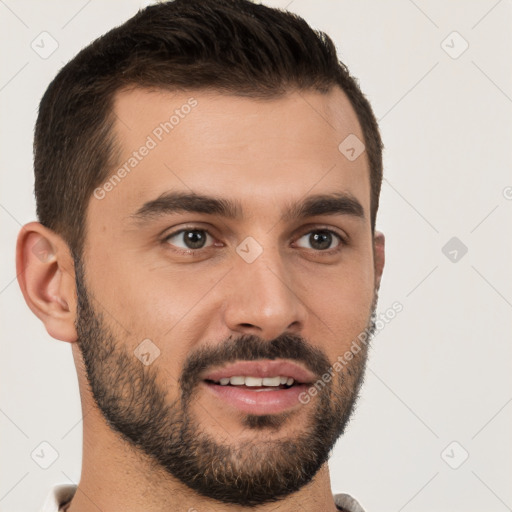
(207, 184)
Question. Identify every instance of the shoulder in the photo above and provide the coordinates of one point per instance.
(58, 496)
(346, 503)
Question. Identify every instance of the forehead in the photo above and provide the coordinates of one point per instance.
(261, 151)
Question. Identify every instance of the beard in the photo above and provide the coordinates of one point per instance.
(134, 404)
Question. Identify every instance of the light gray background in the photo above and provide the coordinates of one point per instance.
(440, 371)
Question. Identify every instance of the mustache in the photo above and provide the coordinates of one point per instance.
(252, 348)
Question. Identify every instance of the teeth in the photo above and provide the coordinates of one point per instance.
(253, 381)
(271, 381)
(240, 380)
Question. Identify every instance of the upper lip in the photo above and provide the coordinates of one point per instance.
(262, 368)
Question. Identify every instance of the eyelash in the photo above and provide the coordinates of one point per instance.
(342, 242)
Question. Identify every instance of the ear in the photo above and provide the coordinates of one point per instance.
(45, 272)
(378, 256)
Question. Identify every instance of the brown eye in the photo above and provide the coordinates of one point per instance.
(319, 240)
(189, 239)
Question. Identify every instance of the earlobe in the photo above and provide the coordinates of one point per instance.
(378, 256)
(45, 273)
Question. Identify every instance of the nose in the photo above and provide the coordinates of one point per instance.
(263, 300)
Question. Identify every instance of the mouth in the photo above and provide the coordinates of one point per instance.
(259, 387)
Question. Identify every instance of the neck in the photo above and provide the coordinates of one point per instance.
(117, 477)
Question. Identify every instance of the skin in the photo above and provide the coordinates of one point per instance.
(265, 154)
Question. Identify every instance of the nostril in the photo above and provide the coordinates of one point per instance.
(247, 325)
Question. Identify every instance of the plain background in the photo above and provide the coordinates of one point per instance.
(438, 386)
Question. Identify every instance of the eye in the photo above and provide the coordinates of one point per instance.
(320, 240)
(190, 239)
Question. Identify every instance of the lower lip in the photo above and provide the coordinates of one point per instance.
(260, 402)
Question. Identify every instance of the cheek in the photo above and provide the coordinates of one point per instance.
(340, 304)
(343, 308)
(349, 284)
(172, 308)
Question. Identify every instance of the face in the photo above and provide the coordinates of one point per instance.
(225, 271)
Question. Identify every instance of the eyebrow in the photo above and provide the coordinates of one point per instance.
(179, 202)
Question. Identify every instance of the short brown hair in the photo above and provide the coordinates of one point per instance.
(231, 46)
